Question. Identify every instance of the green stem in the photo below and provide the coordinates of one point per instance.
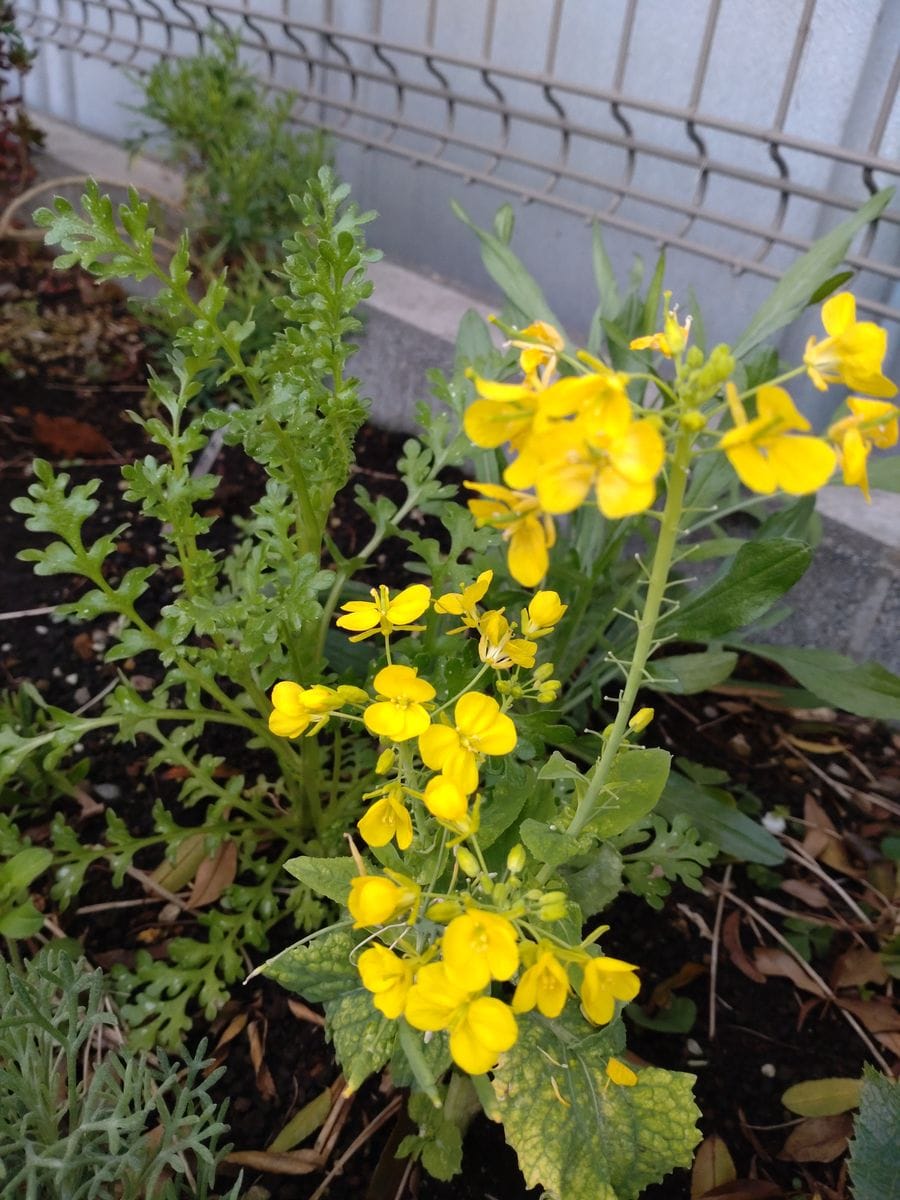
(656, 588)
(773, 382)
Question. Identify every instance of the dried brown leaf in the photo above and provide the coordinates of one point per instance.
(778, 962)
(808, 893)
(257, 1039)
(878, 1016)
(857, 967)
(296, 1162)
(214, 875)
(66, 437)
(731, 939)
(712, 1167)
(822, 840)
(818, 1139)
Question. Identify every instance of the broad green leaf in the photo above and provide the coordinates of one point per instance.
(654, 294)
(605, 276)
(597, 883)
(558, 766)
(874, 1162)
(22, 869)
(761, 573)
(21, 922)
(363, 1037)
(800, 282)
(678, 1016)
(709, 812)
(548, 845)
(507, 799)
(866, 689)
(509, 273)
(633, 789)
(319, 970)
(792, 521)
(473, 341)
(328, 877)
(579, 1135)
(822, 1097)
(685, 674)
(302, 1123)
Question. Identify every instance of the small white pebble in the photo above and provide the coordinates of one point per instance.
(72, 679)
(82, 695)
(78, 747)
(768, 1069)
(774, 823)
(56, 672)
(108, 791)
(40, 629)
(6, 647)
(693, 1046)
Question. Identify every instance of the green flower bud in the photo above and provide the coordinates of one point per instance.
(516, 859)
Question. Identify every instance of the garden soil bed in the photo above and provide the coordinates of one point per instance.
(71, 374)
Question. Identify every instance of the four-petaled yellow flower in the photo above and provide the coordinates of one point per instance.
(388, 976)
(544, 985)
(387, 818)
(852, 353)
(541, 345)
(542, 615)
(673, 338)
(530, 533)
(871, 423)
(479, 728)
(505, 412)
(605, 981)
(400, 713)
(481, 1028)
(464, 604)
(480, 946)
(295, 709)
(498, 646)
(376, 899)
(384, 615)
(767, 454)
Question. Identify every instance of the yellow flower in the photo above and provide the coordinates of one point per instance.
(388, 976)
(478, 947)
(383, 615)
(543, 613)
(505, 412)
(852, 353)
(530, 532)
(872, 423)
(400, 714)
(465, 603)
(498, 647)
(545, 985)
(479, 728)
(444, 799)
(387, 818)
(765, 452)
(481, 1028)
(605, 981)
(295, 708)
(674, 336)
(621, 1073)
(541, 346)
(375, 899)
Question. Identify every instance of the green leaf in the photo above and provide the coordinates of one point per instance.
(799, 284)
(761, 574)
(438, 1142)
(633, 789)
(874, 1162)
(884, 473)
(363, 1037)
(576, 1133)
(830, 285)
(597, 883)
(605, 277)
(23, 868)
(319, 970)
(654, 294)
(678, 1016)
(328, 877)
(866, 689)
(686, 674)
(822, 1097)
(548, 845)
(709, 811)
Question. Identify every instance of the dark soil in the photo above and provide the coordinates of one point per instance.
(823, 769)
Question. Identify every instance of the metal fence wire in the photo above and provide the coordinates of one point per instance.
(506, 95)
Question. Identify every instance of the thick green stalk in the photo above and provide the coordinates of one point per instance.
(656, 589)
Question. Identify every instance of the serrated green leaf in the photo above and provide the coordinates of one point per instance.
(576, 1133)
(319, 970)
(874, 1162)
(761, 574)
(633, 789)
(364, 1039)
(326, 876)
(866, 689)
(687, 674)
(800, 282)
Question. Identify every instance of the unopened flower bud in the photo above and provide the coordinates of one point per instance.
(552, 906)
(443, 911)
(468, 863)
(385, 761)
(544, 671)
(516, 859)
(548, 692)
(693, 421)
(640, 720)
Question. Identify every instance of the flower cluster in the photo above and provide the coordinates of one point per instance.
(434, 954)
(580, 436)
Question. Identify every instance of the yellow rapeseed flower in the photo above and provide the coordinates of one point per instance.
(385, 615)
(498, 646)
(530, 533)
(294, 708)
(871, 423)
(388, 976)
(673, 338)
(480, 1027)
(387, 818)
(376, 899)
(542, 615)
(504, 412)
(445, 800)
(478, 947)
(479, 728)
(464, 604)
(605, 981)
(541, 345)
(767, 454)
(544, 985)
(852, 353)
(400, 713)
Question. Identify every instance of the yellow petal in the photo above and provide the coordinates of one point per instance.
(839, 313)
(528, 560)
(479, 719)
(621, 1073)
(409, 604)
(435, 745)
(563, 486)
(753, 470)
(801, 464)
(287, 697)
(619, 497)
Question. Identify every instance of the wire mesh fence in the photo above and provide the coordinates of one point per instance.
(571, 105)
